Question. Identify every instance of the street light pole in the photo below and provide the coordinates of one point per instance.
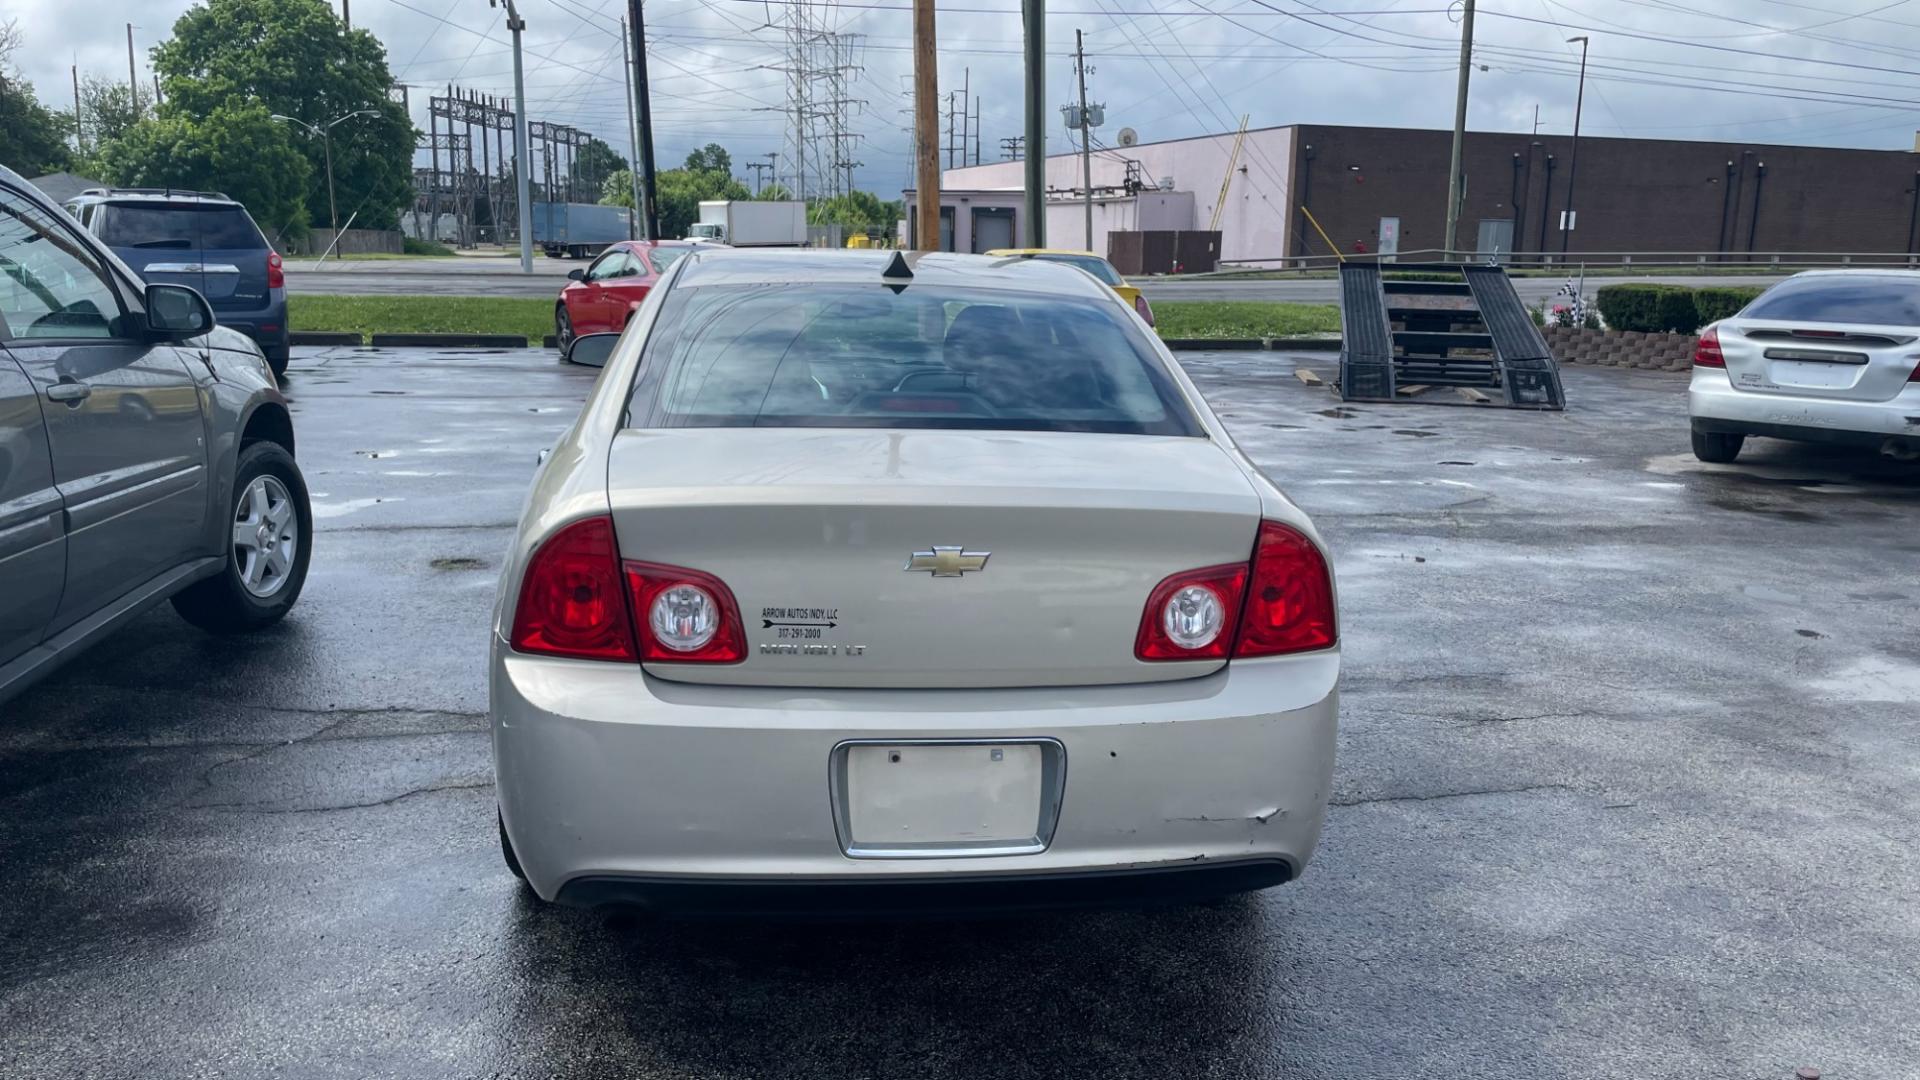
(1455, 182)
(522, 181)
(325, 135)
(1573, 159)
(1034, 13)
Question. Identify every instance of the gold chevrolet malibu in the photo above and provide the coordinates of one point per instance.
(868, 581)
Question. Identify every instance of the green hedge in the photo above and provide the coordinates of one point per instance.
(1649, 307)
(1673, 308)
(1716, 303)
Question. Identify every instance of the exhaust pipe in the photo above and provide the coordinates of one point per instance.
(1900, 448)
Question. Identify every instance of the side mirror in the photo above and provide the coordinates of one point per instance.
(577, 274)
(176, 312)
(592, 350)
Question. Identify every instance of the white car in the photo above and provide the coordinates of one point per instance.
(1826, 356)
(878, 581)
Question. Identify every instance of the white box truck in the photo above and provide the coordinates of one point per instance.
(750, 223)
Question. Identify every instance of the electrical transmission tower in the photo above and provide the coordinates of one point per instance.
(821, 65)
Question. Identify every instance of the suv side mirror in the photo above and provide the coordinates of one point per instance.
(176, 312)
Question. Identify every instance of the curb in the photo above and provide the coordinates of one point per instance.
(322, 337)
(468, 341)
(1293, 344)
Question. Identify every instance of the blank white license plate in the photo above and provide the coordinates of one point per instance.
(1814, 374)
(914, 795)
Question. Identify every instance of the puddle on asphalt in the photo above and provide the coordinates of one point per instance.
(1767, 592)
(1286, 427)
(1341, 413)
(391, 393)
(1453, 463)
(345, 506)
(458, 562)
(1784, 513)
(376, 453)
(1873, 678)
(1415, 433)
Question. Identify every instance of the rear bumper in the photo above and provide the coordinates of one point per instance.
(253, 322)
(951, 895)
(616, 786)
(1715, 406)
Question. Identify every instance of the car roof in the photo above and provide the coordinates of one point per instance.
(839, 266)
(1863, 271)
(1023, 252)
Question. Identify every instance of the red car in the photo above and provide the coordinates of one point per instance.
(601, 298)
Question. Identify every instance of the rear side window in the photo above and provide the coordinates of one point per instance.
(1098, 267)
(1874, 301)
(188, 226)
(925, 357)
(661, 258)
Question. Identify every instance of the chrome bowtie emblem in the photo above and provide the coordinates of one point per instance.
(948, 561)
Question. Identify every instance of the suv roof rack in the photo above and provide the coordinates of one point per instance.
(164, 192)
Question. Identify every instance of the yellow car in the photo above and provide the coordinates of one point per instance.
(1092, 264)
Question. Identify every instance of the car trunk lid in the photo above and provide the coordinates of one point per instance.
(1821, 360)
(831, 542)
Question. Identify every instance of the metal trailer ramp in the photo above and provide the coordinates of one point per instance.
(1463, 328)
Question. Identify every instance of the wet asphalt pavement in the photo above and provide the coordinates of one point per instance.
(1626, 788)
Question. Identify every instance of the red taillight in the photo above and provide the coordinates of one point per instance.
(572, 602)
(684, 616)
(1707, 353)
(1289, 605)
(1915, 377)
(276, 271)
(1220, 586)
(1282, 603)
(1145, 309)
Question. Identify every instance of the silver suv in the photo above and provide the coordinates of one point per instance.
(145, 453)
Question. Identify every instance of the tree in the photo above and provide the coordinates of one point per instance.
(710, 158)
(678, 194)
(596, 161)
(33, 138)
(774, 192)
(293, 57)
(237, 149)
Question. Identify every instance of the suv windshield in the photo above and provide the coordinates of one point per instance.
(924, 357)
(1874, 301)
(179, 225)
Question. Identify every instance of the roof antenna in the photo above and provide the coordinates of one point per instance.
(897, 274)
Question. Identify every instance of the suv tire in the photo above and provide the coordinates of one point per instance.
(262, 578)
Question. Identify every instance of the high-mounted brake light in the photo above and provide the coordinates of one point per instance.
(572, 602)
(1707, 353)
(276, 271)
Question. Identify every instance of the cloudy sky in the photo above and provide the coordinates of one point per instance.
(1830, 72)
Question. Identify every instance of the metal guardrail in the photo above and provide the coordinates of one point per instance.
(1732, 262)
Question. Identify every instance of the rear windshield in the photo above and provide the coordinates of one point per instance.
(1092, 264)
(189, 226)
(866, 356)
(661, 258)
(1874, 301)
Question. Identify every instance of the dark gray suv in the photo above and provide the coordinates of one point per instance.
(145, 452)
(203, 240)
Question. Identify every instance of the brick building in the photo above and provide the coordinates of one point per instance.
(1370, 188)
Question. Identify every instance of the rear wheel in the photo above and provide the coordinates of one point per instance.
(269, 540)
(1717, 447)
(562, 327)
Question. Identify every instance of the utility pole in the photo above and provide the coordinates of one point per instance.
(974, 126)
(649, 194)
(1573, 158)
(1034, 14)
(966, 119)
(133, 81)
(760, 171)
(79, 128)
(947, 140)
(1010, 148)
(633, 133)
(1455, 182)
(926, 127)
(346, 14)
(1086, 131)
(522, 176)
